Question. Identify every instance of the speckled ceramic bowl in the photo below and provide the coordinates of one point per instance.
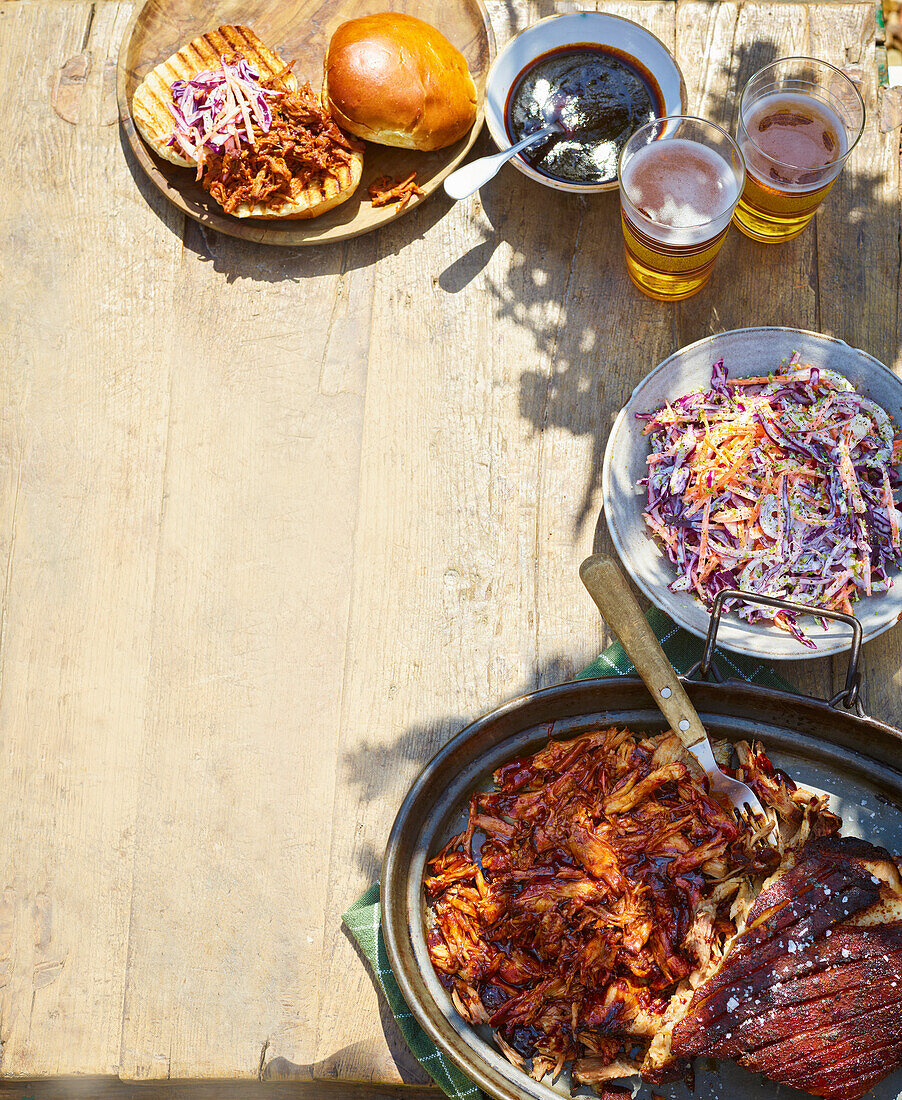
(571, 29)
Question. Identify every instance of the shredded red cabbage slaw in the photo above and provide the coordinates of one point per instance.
(781, 486)
(215, 110)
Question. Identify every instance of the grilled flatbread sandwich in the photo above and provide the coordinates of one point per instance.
(262, 145)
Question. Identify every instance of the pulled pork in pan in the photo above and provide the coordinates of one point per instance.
(302, 144)
(596, 881)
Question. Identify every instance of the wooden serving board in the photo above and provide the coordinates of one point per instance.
(298, 30)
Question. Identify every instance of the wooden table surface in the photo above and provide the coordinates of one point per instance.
(275, 524)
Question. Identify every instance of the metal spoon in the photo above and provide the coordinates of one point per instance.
(472, 176)
(608, 588)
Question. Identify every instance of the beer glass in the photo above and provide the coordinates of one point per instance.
(799, 119)
(680, 179)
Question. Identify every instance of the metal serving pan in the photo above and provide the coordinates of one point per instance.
(856, 759)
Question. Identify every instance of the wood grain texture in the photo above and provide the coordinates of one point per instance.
(169, 610)
(274, 523)
(111, 1088)
(83, 444)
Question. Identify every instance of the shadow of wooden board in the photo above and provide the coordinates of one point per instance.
(297, 30)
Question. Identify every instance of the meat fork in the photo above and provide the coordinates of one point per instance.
(608, 587)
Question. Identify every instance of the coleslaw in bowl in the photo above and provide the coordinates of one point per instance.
(768, 460)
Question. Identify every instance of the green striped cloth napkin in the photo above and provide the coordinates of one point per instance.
(363, 917)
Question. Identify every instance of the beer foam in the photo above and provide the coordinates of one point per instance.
(679, 183)
(814, 162)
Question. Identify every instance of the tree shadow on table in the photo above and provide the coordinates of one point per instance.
(591, 336)
(377, 770)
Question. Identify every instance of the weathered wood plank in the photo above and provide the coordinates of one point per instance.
(250, 617)
(85, 418)
(184, 523)
(110, 1088)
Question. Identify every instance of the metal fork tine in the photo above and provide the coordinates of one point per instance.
(609, 589)
(751, 817)
(747, 814)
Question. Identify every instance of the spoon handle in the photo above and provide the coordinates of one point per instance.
(612, 595)
(472, 176)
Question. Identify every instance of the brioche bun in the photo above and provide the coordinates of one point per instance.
(395, 80)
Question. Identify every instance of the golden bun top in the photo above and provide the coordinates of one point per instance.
(395, 80)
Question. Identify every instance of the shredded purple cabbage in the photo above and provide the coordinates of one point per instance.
(810, 511)
(208, 113)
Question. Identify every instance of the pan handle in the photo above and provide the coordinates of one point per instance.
(848, 697)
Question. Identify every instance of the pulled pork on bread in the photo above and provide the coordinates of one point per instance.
(261, 144)
(302, 150)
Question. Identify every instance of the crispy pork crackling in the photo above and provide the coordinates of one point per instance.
(810, 993)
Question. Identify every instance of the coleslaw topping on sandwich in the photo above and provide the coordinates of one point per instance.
(216, 109)
(256, 140)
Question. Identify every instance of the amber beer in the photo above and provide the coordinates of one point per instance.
(798, 121)
(680, 179)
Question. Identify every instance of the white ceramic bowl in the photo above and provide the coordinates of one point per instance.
(746, 352)
(575, 28)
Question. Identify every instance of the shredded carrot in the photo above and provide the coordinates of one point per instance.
(782, 484)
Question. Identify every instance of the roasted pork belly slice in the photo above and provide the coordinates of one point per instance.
(810, 993)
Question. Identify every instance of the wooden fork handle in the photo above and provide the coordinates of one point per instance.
(609, 589)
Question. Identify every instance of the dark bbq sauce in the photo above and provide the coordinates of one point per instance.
(599, 94)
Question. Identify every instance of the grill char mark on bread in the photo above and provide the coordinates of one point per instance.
(155, 122)
(810, 994)
(150, 102)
